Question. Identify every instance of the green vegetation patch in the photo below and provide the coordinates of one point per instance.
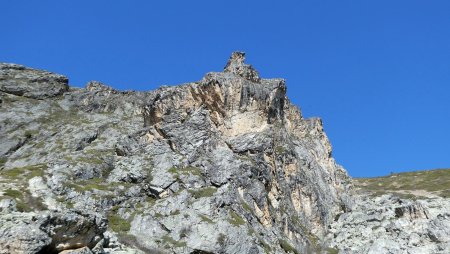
(117, 223)
(206, 219)
(246, 206)
(3, 162)
(236, 220)
(332, 251)
(27, 172)
(25, 202)
(433, 181)
(203, 193)
(98, 152)
(90, 184)
(173, 170)
(287, 247)
(280, 149)
(13, 194)
(30, 133)
(150, 200)
(266, 247)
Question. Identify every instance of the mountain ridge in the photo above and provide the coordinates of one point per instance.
(226, 164)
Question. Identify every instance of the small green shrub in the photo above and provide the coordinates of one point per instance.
(203, 193)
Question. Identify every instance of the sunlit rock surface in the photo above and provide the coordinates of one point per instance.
(223, 165)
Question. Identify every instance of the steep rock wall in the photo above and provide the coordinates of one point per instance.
(223, 165)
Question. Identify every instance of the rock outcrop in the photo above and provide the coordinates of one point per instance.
(223, 165)
(19, 80)
(389, 224)
(47, 232)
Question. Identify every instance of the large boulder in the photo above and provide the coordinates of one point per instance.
(49, 232)
(19, 80)
(20, 233)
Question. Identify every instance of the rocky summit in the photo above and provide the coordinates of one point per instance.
(223, 165)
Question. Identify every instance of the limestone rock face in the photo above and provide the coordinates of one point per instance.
(223, 165)
(389, 224)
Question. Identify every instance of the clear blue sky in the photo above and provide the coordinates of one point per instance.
(377, 72)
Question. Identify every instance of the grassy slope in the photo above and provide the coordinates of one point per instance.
(426, 183)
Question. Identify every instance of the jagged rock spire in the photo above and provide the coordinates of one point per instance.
(237, 66)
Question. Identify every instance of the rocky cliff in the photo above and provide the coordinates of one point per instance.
(400, 213)
(223, 165)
